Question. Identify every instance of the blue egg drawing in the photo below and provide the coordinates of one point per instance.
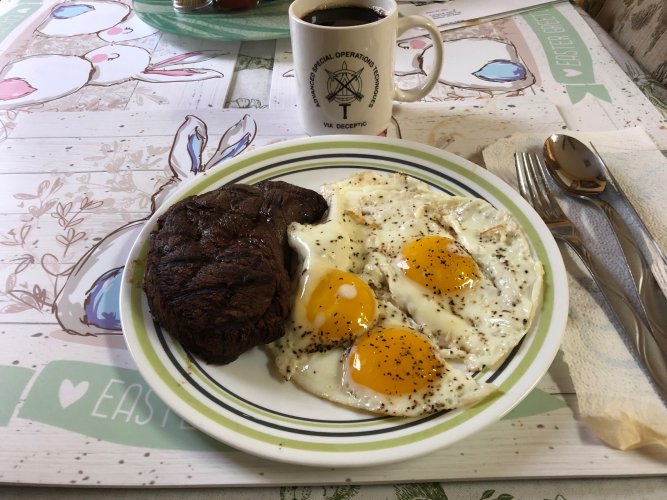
(195, 145)
(501, 70)
(69, 11)
(101, 305)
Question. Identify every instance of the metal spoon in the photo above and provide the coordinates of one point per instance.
(582, 173)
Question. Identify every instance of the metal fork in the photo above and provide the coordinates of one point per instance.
(534, 188)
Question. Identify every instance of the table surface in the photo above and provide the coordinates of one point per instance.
(77, 185)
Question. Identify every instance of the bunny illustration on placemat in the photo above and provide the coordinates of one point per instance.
(46, 77)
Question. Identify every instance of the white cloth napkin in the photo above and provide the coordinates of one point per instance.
(616, 398)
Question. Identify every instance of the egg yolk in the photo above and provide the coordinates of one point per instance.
(341, 307)
(394, 361)
(439, 264)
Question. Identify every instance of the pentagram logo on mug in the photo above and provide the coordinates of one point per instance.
(344, 53)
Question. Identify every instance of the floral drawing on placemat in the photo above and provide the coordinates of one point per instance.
(84, 296)
(413, 491)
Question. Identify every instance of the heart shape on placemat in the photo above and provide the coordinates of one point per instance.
(569, 72)
(68, 393)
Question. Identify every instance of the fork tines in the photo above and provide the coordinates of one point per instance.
(533, 186)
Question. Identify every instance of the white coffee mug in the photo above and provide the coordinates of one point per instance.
(345, 74)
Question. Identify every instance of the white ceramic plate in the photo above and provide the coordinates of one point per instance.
(246, 406)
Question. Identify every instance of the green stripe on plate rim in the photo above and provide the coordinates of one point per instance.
(259, 156)
(405, 170)
(195, 372)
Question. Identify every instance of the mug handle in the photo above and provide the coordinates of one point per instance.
(416, 93)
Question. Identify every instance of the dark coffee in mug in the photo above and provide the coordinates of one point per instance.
(344, 16)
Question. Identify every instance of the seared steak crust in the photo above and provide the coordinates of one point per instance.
(217, 267)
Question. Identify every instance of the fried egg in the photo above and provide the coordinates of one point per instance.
(404, 294)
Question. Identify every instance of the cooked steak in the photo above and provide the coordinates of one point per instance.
(217, 268)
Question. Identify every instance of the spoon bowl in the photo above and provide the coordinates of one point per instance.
(574, 166)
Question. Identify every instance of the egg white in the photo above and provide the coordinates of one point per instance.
(371, 216)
